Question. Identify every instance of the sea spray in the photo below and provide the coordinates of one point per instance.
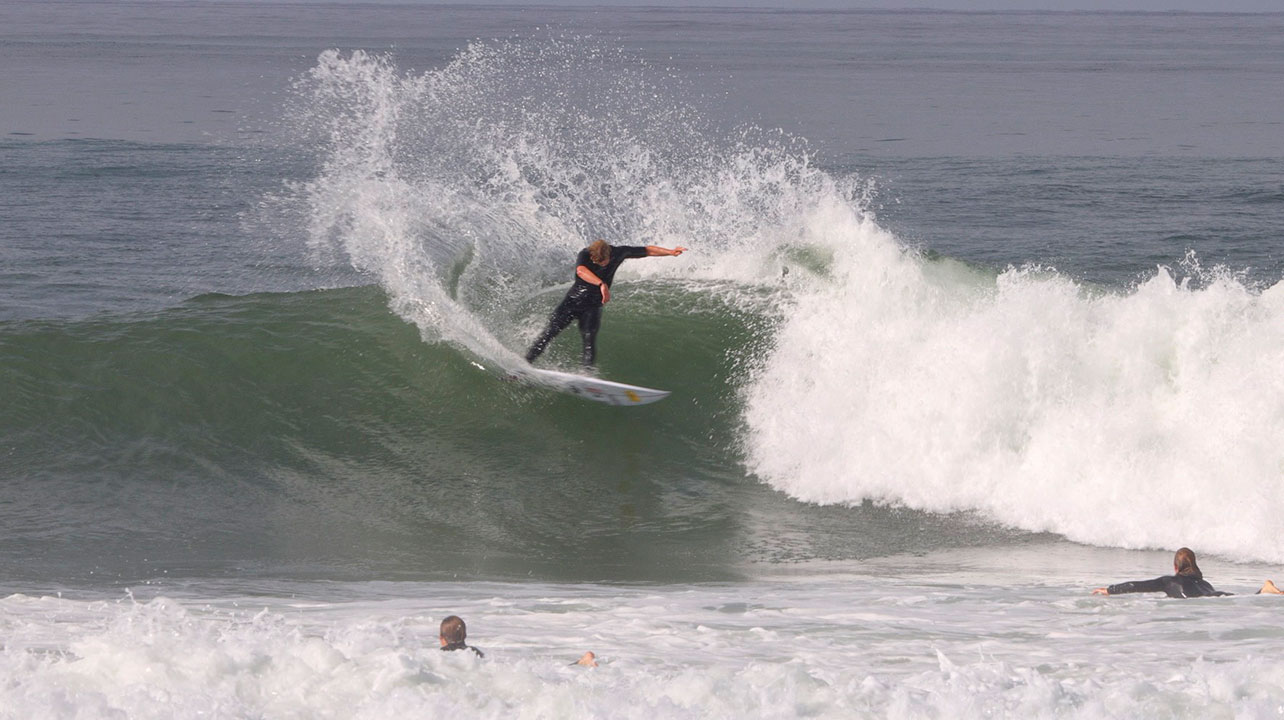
(465, 191)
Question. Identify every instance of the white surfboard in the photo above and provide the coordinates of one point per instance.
(589, 388)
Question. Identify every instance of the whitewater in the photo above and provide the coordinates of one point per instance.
(803, 646)
(955, 342)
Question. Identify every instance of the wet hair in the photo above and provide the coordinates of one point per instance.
(453, 630)
(600, 252)
(1184, 562)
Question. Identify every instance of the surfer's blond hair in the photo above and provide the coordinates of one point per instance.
(600, 252)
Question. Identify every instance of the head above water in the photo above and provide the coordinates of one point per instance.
(599, 252)
(453, 631)
(1184, 563)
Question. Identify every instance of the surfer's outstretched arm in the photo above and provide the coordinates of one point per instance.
(656, 250)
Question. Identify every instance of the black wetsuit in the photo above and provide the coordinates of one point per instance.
(460, 646)
(1177, 586)
(583, 302)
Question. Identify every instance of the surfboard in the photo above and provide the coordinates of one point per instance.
(589, 388)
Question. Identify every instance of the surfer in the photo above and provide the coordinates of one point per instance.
(595, 267)
(452, 635)
(1188, 581)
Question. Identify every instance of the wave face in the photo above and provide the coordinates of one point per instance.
(314, 434)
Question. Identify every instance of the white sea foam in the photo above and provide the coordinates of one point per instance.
(852, 645)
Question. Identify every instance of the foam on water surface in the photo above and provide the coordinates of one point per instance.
(959, 634)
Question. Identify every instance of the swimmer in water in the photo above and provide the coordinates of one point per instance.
(452, 635)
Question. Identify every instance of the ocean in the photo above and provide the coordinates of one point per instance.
(981, 311)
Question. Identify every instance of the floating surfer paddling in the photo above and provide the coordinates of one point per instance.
(595, 268)
(1188, 581)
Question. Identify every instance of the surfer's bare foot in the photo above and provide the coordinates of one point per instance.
(1269, 589)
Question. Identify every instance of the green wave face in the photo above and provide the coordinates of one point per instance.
(315, 434)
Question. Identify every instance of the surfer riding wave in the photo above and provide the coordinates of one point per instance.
(595, 268)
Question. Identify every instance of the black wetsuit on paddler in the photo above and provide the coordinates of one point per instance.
(449, 647)
(1175, 586)
(589, 292)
